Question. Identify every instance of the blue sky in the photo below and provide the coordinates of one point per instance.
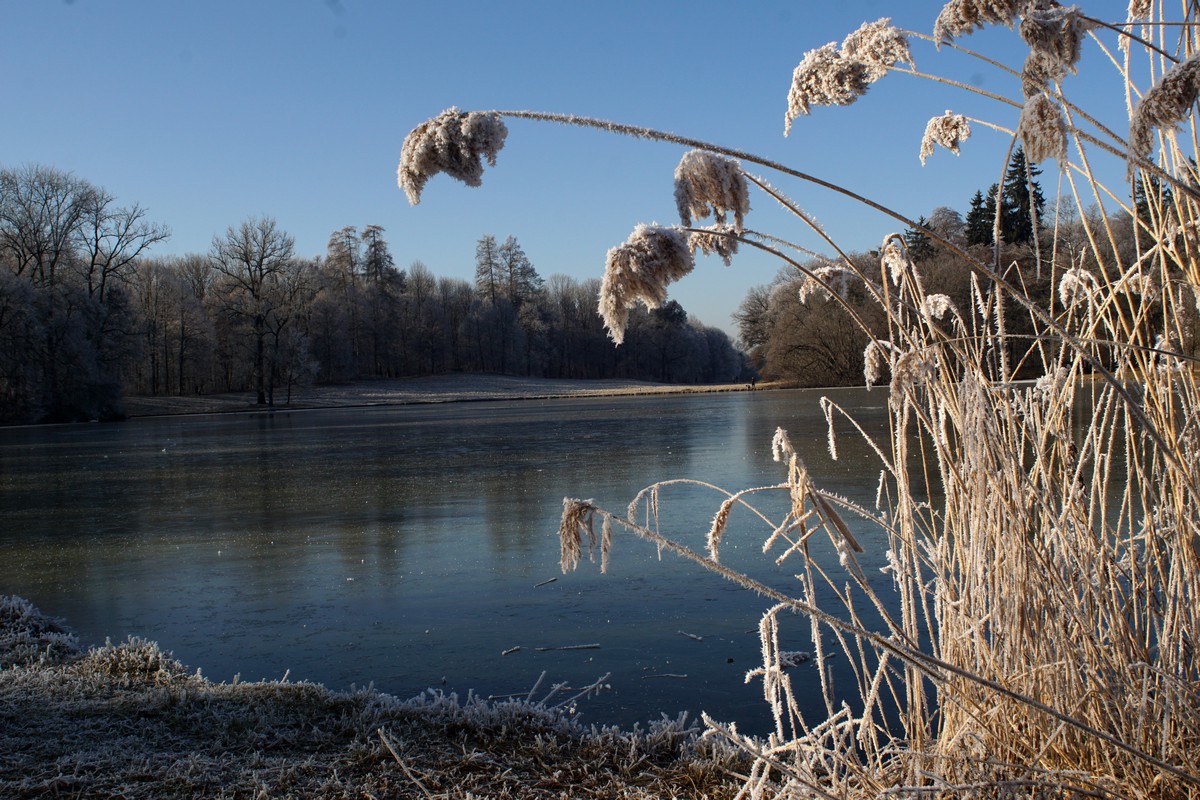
(208, 112)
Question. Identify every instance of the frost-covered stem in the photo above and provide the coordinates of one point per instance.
(957, 84)
(1120, 31)
(931, 666)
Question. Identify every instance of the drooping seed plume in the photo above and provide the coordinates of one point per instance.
(895, 259)
(1139, 8)
(717, 529)
(1056, 34)
(454, 142)
(706, 183)
(1043, 129)
(912, 369)
(938, 306)
(961, 17)
(879, 45)
(1166, 105)
(577, 522)
(638, 271)
(825, 77)
(949, 130)
(874, 359)
(720, 241)
(1038, 73)
(836, 279)
(1076, 286)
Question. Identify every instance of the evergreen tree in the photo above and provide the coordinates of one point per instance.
(377, 258)
(919, 245)
(1152, 202)
(980, 218)
(1023, 200)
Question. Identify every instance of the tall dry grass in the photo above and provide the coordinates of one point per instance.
(1038, 636)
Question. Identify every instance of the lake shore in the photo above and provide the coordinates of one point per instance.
(449, 388)
(130, 721)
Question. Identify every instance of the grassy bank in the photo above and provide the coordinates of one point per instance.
(449, 388)
(129, 721)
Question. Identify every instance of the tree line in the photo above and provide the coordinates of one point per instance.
(88, 315)
(797, 334)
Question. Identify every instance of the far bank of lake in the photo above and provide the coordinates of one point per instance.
(445, 388)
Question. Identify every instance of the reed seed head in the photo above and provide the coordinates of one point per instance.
(639, 270)
(949, 130)
(938, 306)
(817, 280)
(874, 359)
(720, 241)
(1166, 105)
(454, 142)
(894, 259)
(781, 445)
(879, 45)
(577, 522)
(717, 530)
(1139, 9)
(1043, 129)
(706, 183)
(1055, 33)
(1076, 286)
(825, 77)
(912, 368)
(962, 17)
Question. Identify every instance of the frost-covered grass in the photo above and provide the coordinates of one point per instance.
(130, 721)
(452, 388)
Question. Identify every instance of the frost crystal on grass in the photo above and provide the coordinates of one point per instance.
(1043, 130)
(949, 130)
(454, 142)
(960, 17)
(639, 270)
(1164, 106)
(879, 45)
(706, 183)
(825, 77)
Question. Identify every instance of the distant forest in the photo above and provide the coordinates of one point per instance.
(88, 314)
(802, 335)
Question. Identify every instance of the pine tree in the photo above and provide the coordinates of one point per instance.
(919, 245)
(377, 258)
(980, 218)
(1023, 200)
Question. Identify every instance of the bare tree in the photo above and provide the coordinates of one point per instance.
(253, 258)
(111, 239)
(40, 211)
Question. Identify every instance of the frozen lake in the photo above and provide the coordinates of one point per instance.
(404, 546)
